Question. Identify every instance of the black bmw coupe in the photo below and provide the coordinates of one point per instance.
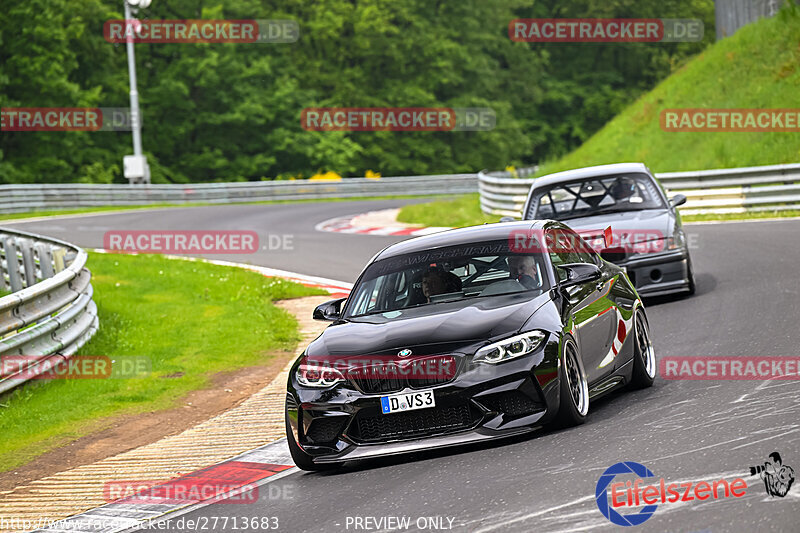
(463, 336)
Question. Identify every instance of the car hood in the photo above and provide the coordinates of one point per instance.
(657, 221)
(431, 329)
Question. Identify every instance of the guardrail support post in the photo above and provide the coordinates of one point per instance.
(58, 259)
(3, 283)
(45, 261)
(12, 264)
(28, 264)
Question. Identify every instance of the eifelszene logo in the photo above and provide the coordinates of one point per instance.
(627, 494)
(601, 494)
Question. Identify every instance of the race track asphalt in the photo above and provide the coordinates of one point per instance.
(746, 304)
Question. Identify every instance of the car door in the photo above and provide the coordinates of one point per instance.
(591, 306)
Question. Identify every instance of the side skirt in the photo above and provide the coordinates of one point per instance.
(618, 380)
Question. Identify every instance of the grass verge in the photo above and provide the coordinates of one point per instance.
(749, 215)
(466, 211)
(190, 319)
(462, 211)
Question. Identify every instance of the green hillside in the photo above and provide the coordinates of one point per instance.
(757, 67)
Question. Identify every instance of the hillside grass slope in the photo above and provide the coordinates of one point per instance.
(757, 67)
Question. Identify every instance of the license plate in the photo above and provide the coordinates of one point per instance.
(397, 403)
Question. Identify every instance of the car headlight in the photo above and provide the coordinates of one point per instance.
(319, 376)
(677, 241)
(644, 244)
(510, 348)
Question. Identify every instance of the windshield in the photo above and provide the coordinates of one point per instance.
(446, 275)
(597, 196)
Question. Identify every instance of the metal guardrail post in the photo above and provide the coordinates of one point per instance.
(58, 259)
(12, 264)
(29, 266)
(45, 260)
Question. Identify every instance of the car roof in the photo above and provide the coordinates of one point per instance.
(589, 172)
(461, 236)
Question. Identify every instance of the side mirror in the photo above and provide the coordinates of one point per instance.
(580, 273)
(329, 311)
(678, 199)
(614, 254)
(508, 219)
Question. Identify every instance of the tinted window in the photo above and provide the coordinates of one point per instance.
(447, 275)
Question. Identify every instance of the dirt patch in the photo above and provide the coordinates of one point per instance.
(126, 432)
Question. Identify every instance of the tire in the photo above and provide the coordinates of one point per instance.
(690, 275)
(574, 395)
(301, 458)
(644, 356)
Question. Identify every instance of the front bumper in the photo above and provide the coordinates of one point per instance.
(659, 274)
(483, 402)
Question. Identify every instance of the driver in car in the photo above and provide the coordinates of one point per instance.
(523, 269)
(624, 189)
(438, 281)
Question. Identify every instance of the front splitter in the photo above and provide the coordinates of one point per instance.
(365, 451)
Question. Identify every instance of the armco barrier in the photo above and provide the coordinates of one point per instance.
(768, 188)
(49, 313)
(31, 197)
(503, 193)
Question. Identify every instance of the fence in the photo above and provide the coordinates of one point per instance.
(46, 307)
(23, 198)
(769, 188)
(730, 15)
